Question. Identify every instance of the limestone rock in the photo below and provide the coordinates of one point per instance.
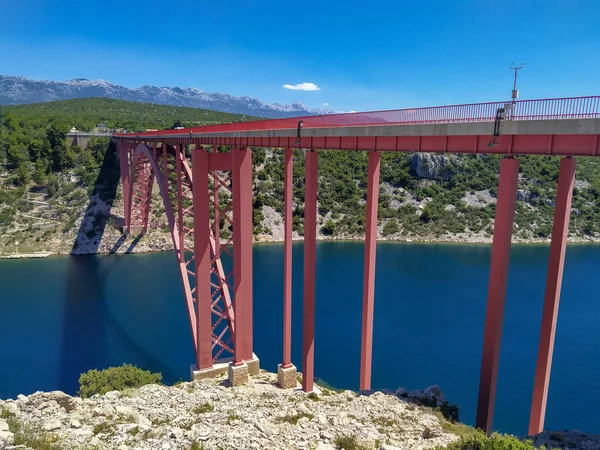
(112, 395)
(303, 409)
(11, 408)
(52, 425)
(6, 438)
(432, 166)
(322, 446)
(258, 415)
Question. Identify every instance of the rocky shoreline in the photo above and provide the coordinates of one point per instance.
(158, 242)
(210, 415)
(207, 414)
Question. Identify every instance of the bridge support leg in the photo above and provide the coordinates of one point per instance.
(124, 166)
(310, 244)
(165, 168)
(505, 212)
(179, 169)
(242, 263)
(204, 358)
(369, 271)
(286, 371)
(560, 231)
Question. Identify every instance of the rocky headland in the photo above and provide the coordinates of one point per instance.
(208, 414)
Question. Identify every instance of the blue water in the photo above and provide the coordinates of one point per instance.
(62, 316)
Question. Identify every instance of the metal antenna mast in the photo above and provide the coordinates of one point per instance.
(515, 92)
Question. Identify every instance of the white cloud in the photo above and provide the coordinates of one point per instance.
(302, 87)
(325, 104)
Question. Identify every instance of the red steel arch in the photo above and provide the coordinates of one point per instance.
(138, 179)
(143, 168)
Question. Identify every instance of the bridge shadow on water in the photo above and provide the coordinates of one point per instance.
(89, 328)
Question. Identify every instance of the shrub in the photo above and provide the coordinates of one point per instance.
(479, 441)
(329, 228)
(204, 408)
(115, 379)
(390, 227)
(348, 443)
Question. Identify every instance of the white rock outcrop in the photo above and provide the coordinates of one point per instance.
(207, 414)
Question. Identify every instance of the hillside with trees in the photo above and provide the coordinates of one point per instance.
(50, 189)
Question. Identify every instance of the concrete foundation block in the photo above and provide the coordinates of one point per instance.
(286, 377)
(212, 372)
(253, 365)
(238, 375)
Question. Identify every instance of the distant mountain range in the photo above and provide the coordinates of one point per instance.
(20, 90)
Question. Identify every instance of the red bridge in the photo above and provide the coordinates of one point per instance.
(217, 187)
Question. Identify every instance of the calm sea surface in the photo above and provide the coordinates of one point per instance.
(61, 316)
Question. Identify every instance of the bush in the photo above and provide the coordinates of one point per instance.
(329, 228)
(479, 441)
(390, 227)
(115, 379)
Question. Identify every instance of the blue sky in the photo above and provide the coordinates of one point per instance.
(362, 55)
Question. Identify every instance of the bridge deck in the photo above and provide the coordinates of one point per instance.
(566, 127)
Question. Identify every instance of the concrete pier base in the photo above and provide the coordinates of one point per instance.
(286, 376)
(238, 375)
(221, 367)
(253, 365)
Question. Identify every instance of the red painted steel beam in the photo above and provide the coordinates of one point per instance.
(531, 144)
(503, 226)
(310, 247)
(216, 188)
(369, 271)
(202, 258)
(560, 231)
(165, 166)
(125, 171)
(507, 144)
(179, 172)
(287, 257)
(242, 252)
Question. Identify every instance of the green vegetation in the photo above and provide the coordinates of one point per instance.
(104, 427)
(85, 113)
(479, 441)
(204, 408)
(349, 443)
(411, 207)
(293, 419)
(233, 417)
(32, 437)
(115, 379)
(45, 182)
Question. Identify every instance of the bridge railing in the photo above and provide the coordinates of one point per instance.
(553, 108)
(556, 108)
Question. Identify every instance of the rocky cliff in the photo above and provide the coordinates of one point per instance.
(208, 414)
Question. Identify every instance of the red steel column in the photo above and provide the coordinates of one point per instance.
(124, 165)
(242, 252)
(202, 257)
(287, 258)
(165, 173)
(560, 231)
(503, 226)
(310, 244)
(178, 169)
(216, 188)
(369, 271)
